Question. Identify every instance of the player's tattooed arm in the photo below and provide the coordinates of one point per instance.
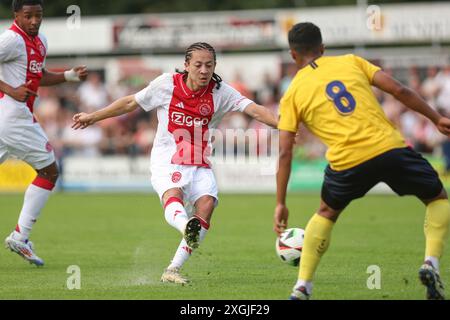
(261, 114)
(121, 106)
(21, 93)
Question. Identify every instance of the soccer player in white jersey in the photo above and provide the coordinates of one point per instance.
(22, 61)
(189, 105)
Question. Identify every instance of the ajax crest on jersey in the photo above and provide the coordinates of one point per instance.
(205, 109)
(176, 177)
(289, 246)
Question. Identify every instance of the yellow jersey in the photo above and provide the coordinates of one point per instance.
(333, 97)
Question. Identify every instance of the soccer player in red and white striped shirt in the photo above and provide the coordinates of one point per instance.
(189, 105)
(22, 60)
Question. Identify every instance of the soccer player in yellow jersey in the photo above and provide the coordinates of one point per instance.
(332, 96)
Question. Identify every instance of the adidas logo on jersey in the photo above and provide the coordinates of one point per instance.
(180, 105)
(32, 52)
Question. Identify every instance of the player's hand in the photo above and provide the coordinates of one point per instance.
(443, 125)
(22, 93)
(82, 120)
(82, 72)
(280, 219)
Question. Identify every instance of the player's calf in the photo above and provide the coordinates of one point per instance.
(175, 213)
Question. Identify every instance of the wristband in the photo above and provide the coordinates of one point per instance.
(71, 76)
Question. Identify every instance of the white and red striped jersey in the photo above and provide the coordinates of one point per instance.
(186, 118)
(22, 58)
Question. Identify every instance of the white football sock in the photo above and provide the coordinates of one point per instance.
(184, 252)
(307, 284)
(175, 214)
(36, 197)
(434, 261)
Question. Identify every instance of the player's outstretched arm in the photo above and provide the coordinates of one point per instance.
(121, 106)
(410, 99)
(287, 140)
(261, 114)
(76, 74)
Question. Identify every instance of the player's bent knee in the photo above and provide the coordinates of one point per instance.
(327, 212)
(50, 173)
(204, 207)
(206, 202)
(442, 196)
(172, 193)
(52, 177)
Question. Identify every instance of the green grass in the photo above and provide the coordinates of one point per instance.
(122, 243)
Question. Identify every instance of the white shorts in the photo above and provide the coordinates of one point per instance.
(194, 181)
(23, 139)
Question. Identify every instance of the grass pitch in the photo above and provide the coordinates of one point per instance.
(121, 243)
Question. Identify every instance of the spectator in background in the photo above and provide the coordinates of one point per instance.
(393, 110)
(48, 114)
(145, 134)
(83, 143)
(120, 89)
(414, 78)
(269, 88)
(430, 86)
(93, 94)
(308, 147)
(422, 136)
(239, 84)
(291, 71)
(443, 97)
(443, 106)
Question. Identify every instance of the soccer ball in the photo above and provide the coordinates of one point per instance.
(289, 246)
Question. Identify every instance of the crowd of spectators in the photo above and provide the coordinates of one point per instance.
(133, 134)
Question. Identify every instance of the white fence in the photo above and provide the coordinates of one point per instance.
(133, 174)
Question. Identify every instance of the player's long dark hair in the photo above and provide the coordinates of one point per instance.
(201, 46)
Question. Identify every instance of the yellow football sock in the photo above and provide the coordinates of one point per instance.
(437, 220)
(317, 239)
